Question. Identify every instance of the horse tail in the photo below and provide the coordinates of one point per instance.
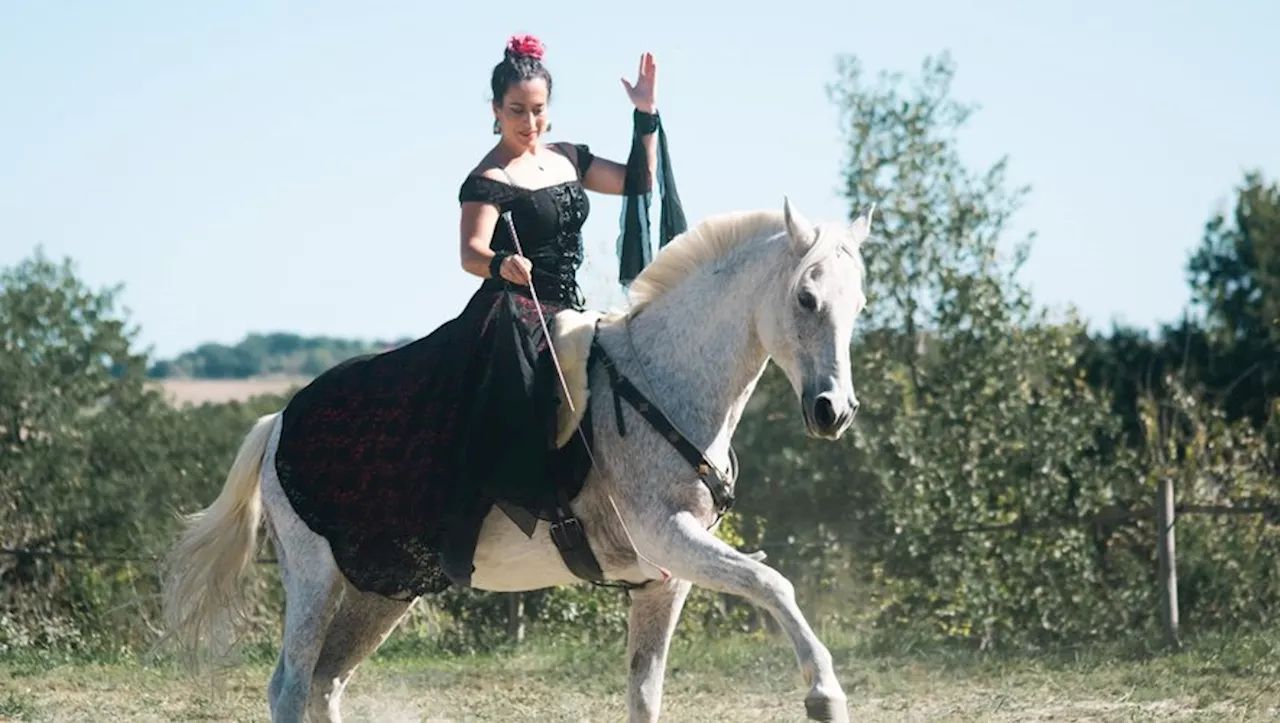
(200, 585)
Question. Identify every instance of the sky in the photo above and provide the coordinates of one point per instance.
(251, 167)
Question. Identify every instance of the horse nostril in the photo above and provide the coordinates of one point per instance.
(853, 409)
(824, 412)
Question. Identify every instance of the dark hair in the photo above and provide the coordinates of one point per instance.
(521, 61)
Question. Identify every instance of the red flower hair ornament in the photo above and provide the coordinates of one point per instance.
(526, 45)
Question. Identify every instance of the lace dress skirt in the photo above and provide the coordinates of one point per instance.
(396, 458)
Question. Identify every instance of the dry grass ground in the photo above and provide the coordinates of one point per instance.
(1216, 680)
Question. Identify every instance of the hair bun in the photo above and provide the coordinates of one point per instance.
(525, 46)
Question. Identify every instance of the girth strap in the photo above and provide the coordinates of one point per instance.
(570, 536)
(571, 540)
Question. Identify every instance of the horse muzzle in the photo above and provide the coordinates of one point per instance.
(829, 414)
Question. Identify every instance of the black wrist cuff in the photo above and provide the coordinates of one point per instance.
(645, 123)
(495, 264)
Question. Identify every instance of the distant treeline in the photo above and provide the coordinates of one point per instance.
(277, 353)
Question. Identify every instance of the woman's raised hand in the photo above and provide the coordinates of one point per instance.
(644, 93)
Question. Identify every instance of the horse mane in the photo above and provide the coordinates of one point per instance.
(709, 240)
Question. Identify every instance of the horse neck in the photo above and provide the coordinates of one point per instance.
(695, 351)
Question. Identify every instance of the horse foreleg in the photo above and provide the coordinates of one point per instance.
(690, 552)
(653, 616)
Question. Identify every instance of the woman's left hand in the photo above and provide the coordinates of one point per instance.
(643, 93)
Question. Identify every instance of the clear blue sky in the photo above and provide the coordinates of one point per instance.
(246, 166)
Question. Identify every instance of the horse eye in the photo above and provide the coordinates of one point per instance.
(808, 300)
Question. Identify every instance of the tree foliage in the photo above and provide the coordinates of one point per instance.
(93, 463)
(1226, 345)
(1235, 282)
(991, 491)
(974, 412)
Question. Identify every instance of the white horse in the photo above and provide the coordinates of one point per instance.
(708, 313)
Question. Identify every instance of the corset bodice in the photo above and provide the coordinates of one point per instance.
(548, 222)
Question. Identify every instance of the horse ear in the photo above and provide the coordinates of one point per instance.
(861, 227)
(801, 232)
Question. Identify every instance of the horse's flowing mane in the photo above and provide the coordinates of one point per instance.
(707, 241)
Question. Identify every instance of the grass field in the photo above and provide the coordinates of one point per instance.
(1214, 679)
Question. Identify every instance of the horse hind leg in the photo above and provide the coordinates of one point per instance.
(313, 593)
(363, 622)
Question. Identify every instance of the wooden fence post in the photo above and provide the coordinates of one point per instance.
(1167, 561)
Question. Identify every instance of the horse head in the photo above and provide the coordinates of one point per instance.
(806, 317)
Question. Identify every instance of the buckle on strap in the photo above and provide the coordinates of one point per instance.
(567, 533)
(571, 540)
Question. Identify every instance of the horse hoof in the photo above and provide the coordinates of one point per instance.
(828, 710)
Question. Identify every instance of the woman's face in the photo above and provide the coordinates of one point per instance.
(522, 115)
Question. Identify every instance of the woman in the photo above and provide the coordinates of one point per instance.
(521, 165)
(396, 458)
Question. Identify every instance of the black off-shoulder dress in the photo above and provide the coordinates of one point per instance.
(396, 458)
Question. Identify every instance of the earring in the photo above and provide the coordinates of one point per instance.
(549, 124)
(496, 129)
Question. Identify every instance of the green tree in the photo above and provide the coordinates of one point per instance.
(987, 491)
(1227, 349)
(974, 412)
(1235, 281)
(66, 367)
(93, 463)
